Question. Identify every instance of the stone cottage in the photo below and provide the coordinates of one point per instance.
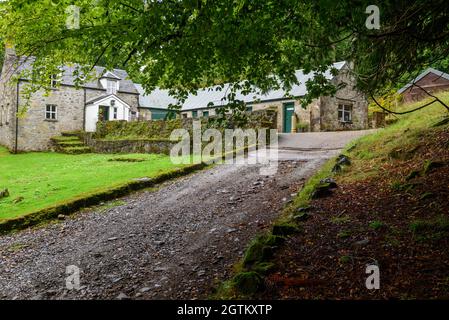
(113, 96)
(67, 108)
(347, 110)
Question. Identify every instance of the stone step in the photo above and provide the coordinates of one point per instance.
(76, 150)
(64, 139)
(73, 143)
(70, 134)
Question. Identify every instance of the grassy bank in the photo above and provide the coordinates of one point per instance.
(388, 200)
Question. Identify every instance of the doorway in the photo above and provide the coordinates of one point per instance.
(103, 113)
(289, 111)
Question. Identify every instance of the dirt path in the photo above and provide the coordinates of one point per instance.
(173, 243)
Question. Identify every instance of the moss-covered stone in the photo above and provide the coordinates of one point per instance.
(248, 282)
(257, 252)
(285, 229)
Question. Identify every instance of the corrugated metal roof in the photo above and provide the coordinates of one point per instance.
(422, 75)
(161, 99)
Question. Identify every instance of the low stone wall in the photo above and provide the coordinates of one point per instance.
(161, 129)
(131, 146)
(154, 136)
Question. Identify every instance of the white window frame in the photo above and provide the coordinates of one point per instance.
(345, 109)
(49, 113)
(111, 86)
(54, 80)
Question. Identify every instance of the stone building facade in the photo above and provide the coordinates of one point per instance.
(346, 110)
(45, 116)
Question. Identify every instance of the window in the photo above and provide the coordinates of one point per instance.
(249, 109)
(184, 115)
(112, 86)
(54, 79)
(344, 113)
(205, 114)
(50, 112)
(195, 114)
(114, 110)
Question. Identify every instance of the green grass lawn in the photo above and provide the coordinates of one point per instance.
(46, 179)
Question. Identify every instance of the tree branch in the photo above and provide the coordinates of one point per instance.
(404, 112)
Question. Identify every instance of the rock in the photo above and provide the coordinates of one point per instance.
(122, 296)
(362, 243)
(284, 230)
(321, 191)
(230, 230)
(336, 168)
(61, 217)
(303, 209)
(4, 193)
(159, 243)
(144, 289)
(201, 273)
(303, 216)
(331, 182)
(248, 282)
(38, 296)
(18, 199)
(145, 179)
(112, 239)
(160, 269)
(343, 160)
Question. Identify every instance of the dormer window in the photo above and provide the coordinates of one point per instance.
(111, 86)
(54, 80)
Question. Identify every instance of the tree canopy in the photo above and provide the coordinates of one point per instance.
(188, 44)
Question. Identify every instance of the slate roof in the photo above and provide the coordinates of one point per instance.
(422, 75)
(126, 84)
(161, 99)
(92, 101)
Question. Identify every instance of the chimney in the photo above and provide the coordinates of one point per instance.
(9, 48)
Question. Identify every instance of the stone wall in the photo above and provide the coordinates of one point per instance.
(161, 129)
(347, 95)
(35, 131)
(8, 102)
(131, 146)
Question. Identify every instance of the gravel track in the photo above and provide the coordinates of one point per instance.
(176, 242)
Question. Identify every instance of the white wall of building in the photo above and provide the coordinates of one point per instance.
(92, 111)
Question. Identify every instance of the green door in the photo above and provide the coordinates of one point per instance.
(103, 113)
(289, 110)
